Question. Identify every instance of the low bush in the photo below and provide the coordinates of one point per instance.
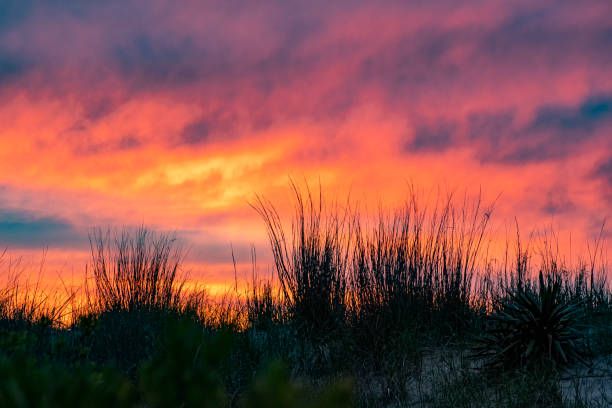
(532, 326)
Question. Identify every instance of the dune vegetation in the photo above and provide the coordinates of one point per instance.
(403, 310)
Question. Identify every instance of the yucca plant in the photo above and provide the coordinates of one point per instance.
(531, 326)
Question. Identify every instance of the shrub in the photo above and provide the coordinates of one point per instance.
(263, 306)
(185, 372)
(23, 383)
(531, 326)
(274, 389)
(188, 372)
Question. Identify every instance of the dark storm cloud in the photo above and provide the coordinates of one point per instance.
(545, 38)
(128, 142)
(217, 49)
(195, 133)
(251, 62)
(26, 230)
(439, 59)
(435, 137)
(527, 32)
(558, 200)
(555, 132)
(154, 62)
(99, 108)
(83, 144)
(493, 127)
(569, 120)
(11, 66)
(219, 125)
(603, 172)
(14, 12)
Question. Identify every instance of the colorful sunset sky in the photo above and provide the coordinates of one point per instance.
(175, 114)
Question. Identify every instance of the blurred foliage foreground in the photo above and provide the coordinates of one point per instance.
(186, 370)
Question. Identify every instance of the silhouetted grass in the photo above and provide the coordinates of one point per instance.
(393, 304)
(311, 264)
(415, 269)
(24, 300)
(135, 284)
(135, 271)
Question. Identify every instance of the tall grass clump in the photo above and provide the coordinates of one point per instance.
(136, 270)
(263, 306)
(416, 268)
(311, 264)
(136, 287)
(25, 301)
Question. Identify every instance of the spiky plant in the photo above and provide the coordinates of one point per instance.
(531, 326)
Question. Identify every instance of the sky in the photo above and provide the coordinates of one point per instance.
(176, 115)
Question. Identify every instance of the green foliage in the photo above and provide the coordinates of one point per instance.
(24, 384)
(515, 389)
(124, 338)
(185, 372)
(533, 326)
(263, 307)
(274, 389)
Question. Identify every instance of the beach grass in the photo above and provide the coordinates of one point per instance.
(402, 310)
